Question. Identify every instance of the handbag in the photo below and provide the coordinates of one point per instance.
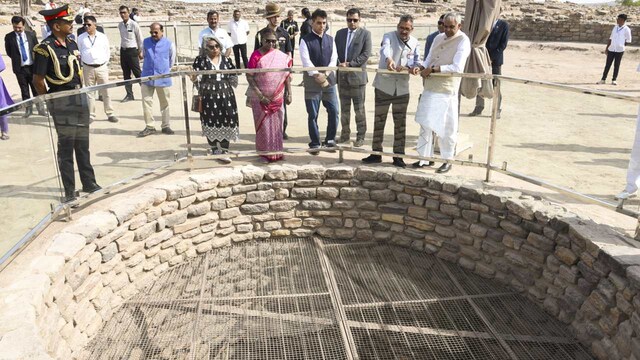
(196, 100)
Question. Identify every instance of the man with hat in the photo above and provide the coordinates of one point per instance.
(56, 62)
(272, 13)
(620, 35)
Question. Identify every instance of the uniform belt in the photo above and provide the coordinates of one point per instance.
(93, 65)
(130, 48)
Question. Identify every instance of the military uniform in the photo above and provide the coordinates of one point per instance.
(61, 67)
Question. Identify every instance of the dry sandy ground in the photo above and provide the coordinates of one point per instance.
(578, 141)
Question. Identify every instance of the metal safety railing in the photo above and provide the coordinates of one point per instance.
(495, 155)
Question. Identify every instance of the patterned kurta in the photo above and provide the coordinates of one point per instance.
(219, 116)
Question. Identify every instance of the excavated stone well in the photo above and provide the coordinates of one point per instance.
(580, 273)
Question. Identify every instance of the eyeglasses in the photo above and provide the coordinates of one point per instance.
(86, 25)
(211, 47)
(353, 20)
(271, 41)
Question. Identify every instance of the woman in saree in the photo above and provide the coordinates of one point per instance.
(219, 115)
(267, 94)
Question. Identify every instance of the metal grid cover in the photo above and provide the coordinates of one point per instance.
(298, 298)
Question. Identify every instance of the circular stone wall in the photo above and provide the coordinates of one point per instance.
(578, 272)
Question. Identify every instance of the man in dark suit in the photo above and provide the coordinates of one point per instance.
(18, 45)
(353, 45)
(496, 43)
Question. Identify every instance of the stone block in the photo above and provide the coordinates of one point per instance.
(540, 242)
(262, 196)
(177, 217)
(254, 208)
(218, 204)
(439, 218)
(303, 193)
(283, 205)
(327, 193)
(66, 245)
(157, 238)
(354, 193)
(271, 225)
(244, 219)
(229, 213)
(394, 218)
(281, 173)
(316, 204)
(252, 174)
(339, 172)
(108, 252)
(311, 172)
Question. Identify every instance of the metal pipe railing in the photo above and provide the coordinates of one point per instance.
(341, 150)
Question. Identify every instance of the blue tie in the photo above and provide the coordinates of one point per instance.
(23, 49)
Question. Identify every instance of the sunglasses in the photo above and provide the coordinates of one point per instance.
(353, 20)
(86, 25)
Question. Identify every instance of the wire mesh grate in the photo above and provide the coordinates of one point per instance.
(298, 298)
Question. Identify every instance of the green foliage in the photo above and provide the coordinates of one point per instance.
(630, 2)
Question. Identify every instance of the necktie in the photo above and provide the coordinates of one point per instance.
(346, 51)
(23, 50)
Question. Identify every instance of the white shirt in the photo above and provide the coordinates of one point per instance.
(238, 31)
(619, 36)
(22, 37)
(94, 50)
(49, 6)
(220, 34)
(459, 59)
(306, 60)
(130, 35)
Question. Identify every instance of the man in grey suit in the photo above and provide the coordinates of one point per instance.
(354, 48)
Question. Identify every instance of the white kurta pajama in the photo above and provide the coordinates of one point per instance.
(633, 171)
(438, 107)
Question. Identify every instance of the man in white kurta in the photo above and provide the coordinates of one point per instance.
(633, 171)
(438, 107)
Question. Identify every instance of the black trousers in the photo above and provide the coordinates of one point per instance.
(240, 51)
(398, 105)
(355, 94)
(495, 70)
(25, 81)
(615, 58)
(71, 118)
(130, 65)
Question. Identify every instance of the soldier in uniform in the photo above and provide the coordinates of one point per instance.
(56, 61)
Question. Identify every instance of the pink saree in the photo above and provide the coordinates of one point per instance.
(268, 118)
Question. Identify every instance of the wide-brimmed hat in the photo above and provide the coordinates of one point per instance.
(272, 10)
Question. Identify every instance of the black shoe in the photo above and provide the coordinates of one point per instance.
(112, 119)
(418, 165)
(399, 162)
(476, 112)
(314, 151)
(285, 136)
(27, 112)
(167, 131)
(147, 131)
(372, 159)
(127, 98)
(91, 189)
(69, 196)
(444, 168)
